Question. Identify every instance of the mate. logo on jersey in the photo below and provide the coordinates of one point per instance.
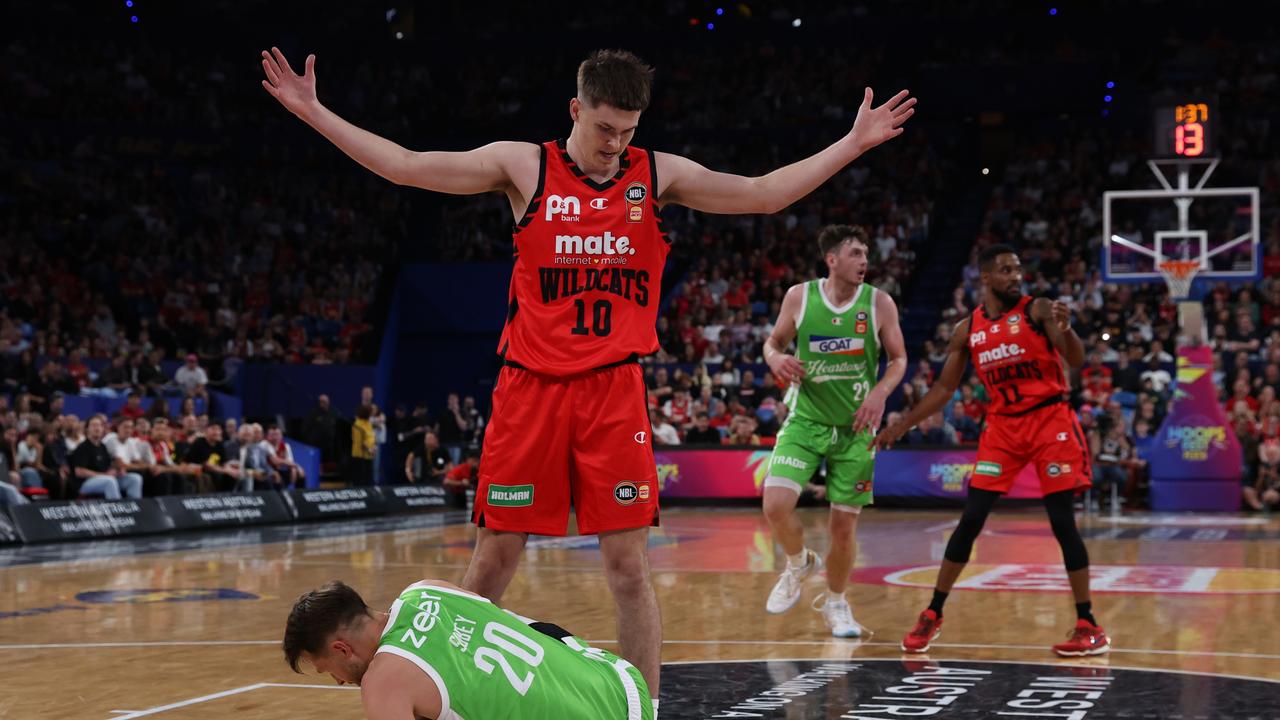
(836, 345)
(1003, 351)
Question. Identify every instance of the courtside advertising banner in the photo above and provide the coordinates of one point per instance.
(740, 473)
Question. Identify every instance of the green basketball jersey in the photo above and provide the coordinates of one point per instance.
(489, 664)
(840, 350)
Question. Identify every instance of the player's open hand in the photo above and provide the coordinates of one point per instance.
(888, 436)
(876, 125)
(870, 412)
(786, 368)
(295, 92)
(1061, 314)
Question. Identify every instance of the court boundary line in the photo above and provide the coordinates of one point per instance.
(130, 714)
(869, 643)
(1066, 663)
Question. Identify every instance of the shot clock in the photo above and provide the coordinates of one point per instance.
(1184, 129)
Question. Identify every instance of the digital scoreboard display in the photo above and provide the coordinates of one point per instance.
(1185, 130)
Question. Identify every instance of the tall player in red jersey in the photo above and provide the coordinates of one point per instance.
(570, 421)
(1017, 345)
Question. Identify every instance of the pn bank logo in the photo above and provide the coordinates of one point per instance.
(1197, 440)
(952, 476)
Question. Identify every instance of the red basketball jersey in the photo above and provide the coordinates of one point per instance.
(1015, 360)
(588, 272)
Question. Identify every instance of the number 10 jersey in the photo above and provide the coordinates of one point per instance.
(588, 267)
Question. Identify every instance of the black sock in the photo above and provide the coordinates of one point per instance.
(1084, 611)
(939, 597)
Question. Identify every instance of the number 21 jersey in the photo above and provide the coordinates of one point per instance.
(588, 267)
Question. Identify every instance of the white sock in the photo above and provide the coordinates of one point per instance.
(798, 560)
(655, 709)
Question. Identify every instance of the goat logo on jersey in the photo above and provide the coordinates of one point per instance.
(836, 345)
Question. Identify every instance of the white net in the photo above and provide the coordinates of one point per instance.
(1179, 274)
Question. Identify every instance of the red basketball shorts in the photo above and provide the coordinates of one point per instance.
(553, 442)
(1050, 437)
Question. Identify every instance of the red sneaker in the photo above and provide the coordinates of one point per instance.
(1086, 639)
(928, 627)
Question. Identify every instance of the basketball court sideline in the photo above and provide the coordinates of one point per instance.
(189, 627)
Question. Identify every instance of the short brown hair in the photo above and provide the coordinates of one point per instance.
(833, 236)
(317, 615)
(617, 78)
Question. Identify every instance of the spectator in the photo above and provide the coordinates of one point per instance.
(1156, 375)
(360, 463)
(660, 386)
(1126, 377)
(1242, 399)
(748, 394)
(429, 464)
(967, 428)
(151, 374)
(1268, 486)
(23, 456)
(115, 377)
(664, 433)
(461, 478)
(54, 459)
(134, 457)
(192, 379)
(378, 421)
(1111, 455)
(185, 476)
(255, 468)
(132, 408)
(280, 457)
(453, 426)
(475, 421)
(933, 430)
(701, 433)
(320, 429)
(742, 431)
(95, 471)
(1250, 470)
(208, 452)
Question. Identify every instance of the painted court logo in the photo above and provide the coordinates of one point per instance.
(989, 469)
(511, 495)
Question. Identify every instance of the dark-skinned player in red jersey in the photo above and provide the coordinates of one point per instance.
(570, 424)
(1017, 343)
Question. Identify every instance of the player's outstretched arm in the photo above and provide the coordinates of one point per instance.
(694, 186)
(481, 170)
(943, 388)
(785, 366)
(872, 409)
(1055, 317)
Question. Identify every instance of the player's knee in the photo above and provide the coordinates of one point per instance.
(779, 504)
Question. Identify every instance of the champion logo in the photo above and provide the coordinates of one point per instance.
(641, 437)
(599, 203)
(1062, 437)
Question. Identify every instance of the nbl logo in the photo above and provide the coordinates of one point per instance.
(626, 492)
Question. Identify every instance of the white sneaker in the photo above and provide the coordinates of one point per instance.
(837, 614)
(786, 591)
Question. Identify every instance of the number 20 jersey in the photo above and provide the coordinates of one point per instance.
(1015, 360)
(588, 267)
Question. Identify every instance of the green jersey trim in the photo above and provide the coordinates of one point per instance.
(822, 292)
(445, 712)
(635, 711)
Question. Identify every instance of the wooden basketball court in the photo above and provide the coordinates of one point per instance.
(189, 627)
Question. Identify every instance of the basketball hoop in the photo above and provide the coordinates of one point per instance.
(1179, 275)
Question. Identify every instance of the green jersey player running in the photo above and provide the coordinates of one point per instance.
(840, 325)
(444, 653)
